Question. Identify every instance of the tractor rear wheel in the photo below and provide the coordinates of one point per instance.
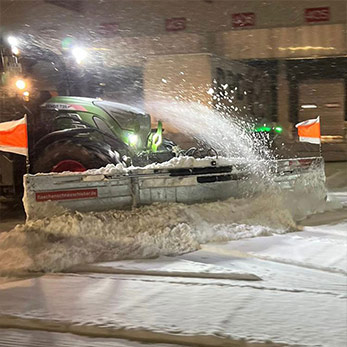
(69, 155)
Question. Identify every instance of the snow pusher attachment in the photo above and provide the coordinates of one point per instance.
(181, 180)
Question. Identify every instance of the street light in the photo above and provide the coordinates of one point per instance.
(20, 84)
(79, 54)
(13, 41)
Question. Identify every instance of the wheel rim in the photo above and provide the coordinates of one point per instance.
(69, 165)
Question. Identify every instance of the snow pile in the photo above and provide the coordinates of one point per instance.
(109, 169)
(174, 163)
(179, 162)
(57, 243)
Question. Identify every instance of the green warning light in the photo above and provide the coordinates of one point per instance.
(262, 129)
(267, 129)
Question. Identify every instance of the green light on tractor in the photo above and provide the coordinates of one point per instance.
(132, 140)
(157, 138)
(267, 129)
(262, 129)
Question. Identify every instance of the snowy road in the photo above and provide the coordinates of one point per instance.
(284, 289)
(297, 296)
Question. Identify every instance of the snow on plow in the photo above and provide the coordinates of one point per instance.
(181, 180)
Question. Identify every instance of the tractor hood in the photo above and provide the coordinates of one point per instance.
(124, 121)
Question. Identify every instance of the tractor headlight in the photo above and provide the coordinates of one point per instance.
(132, 139)
(15, 50)
(26, 96)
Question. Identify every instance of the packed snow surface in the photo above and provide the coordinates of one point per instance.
(300, 301)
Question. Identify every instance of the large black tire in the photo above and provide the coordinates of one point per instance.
(91, 157)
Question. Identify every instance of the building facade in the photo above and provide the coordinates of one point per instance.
(285, 61)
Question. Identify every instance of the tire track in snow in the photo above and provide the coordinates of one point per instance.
(300, 264)
(237, 253)
(141, 335)
(120, 277)
(40, 338)
(117, 271)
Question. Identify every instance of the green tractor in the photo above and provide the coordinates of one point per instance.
(67, 133)
(77, 133)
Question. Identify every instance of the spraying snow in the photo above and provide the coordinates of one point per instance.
(221, 130)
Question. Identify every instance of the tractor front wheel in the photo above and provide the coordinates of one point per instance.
(68, 155)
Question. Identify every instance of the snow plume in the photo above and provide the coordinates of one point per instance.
(221, 130)
(57, 243)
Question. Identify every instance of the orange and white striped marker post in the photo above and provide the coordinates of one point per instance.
(309, 131)
(14, 137)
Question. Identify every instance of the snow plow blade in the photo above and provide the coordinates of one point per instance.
(195, 181)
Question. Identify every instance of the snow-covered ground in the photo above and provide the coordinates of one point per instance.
(256, 277)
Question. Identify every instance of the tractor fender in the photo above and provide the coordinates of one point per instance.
(80, 135)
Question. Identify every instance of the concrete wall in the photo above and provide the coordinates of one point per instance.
(284, 43)
(279, 30)
(147, 17)
(237, 88)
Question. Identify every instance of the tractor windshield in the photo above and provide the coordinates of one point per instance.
(128, 118)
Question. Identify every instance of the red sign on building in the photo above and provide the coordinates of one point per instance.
(241, 20)
(108, 29)
(318, 14)
(175, 24)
